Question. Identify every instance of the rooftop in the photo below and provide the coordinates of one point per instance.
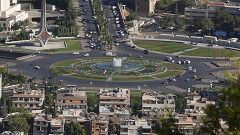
(114, 93)
(73, 95)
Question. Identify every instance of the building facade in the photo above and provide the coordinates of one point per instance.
(27, 98)
(71, 98)
(135, 126)
(11, 13)
(46, 124)
(114, 102)
(211, 10)
(154, 103)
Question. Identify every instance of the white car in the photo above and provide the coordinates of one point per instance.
(75, 53)
(36, 67)
(117, 22)
(116, 44)
(86, 55)
(188, 61)
(110, 54)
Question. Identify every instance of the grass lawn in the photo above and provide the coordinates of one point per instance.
(161, 46)
(168, 74)
(212, 52)
(72, 45)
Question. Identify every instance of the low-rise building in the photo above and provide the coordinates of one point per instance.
(197, 101)
(28, 98)
(211, 10)
(185, 124)
(114, 102)
(100, 125)
(155, 103)
(135, 126)
(46, 124)
(71, 98)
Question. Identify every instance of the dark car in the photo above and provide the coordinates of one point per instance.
(145, 51)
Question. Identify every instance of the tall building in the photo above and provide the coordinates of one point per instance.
(11, 13)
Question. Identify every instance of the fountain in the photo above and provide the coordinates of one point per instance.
(118, 65)
(117, 62)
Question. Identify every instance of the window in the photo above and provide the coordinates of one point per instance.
(31, 105)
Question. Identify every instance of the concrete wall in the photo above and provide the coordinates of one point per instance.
(205, 40)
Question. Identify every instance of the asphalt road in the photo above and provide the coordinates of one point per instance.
(123, 50)
(46, 61)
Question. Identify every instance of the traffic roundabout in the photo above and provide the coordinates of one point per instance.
(117, 69)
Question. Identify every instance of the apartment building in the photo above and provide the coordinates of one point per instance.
(135, 126)
(71, 98)
(28, 98)
(100, 125)
(46, 124)
(185, 124)
(197, 102)
(11, 13)
(114, 102)
(155, 103)
(211, 10)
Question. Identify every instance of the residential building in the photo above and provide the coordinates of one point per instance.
(211, 10)
(28, 98)
(145, 6)
(46, 124)
(11, 13)
(114, 102)
(185, 124)
(71, 98)
(100, 125)
(155, 103)
(197, 102)
(135, 126)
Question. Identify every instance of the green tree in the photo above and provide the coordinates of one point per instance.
(224, 21)
(205, 25)
(92, 102)
(163, 4)
(74, 128)
(167, 125)
(132, 16)
(227, 108)
(18, 123)
(1, 28)
(136, 103)
(185, 3)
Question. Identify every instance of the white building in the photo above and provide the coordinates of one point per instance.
(154, 103)
(11, 13)
(135, 127)
(114, 102)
